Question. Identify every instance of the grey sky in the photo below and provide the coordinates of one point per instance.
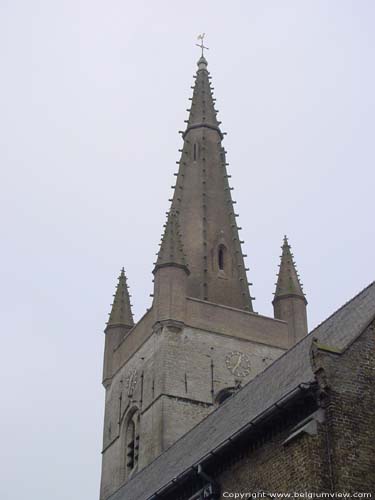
(92, 96)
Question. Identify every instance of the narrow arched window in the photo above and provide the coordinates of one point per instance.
(130, 446)
(221, 257)
(132, 443)
(195, 151)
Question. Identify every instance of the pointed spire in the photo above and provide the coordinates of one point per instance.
(171, 251)
(202, 199)
(121, 313)
(202, 112)
(288, 282)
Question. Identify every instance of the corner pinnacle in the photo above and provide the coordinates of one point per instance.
(171, 251)
(288, 282)
(121, 313)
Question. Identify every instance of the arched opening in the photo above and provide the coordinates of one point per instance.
(195, 151)
(221, 258)
(130, 446)
(131, 442)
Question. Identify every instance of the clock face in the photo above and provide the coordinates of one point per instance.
(238, 363)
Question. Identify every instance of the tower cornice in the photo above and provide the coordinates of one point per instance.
(290, 296)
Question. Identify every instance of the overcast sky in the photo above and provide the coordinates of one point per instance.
(92, 95)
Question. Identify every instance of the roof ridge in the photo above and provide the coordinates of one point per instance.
(271, 385)
(341, 307)
(304, 339)
(218, 408)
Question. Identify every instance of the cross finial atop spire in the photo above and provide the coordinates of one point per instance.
(202, 199)
(201, 45)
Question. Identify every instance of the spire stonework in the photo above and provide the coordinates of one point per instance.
(171, 251)
(171, 272)
(119, 323)
(121, 313)
(202, 199)
(200, 338)
(289, 302)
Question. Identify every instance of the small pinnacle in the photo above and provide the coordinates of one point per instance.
(171, 250)
(121, 313)
(288, 282)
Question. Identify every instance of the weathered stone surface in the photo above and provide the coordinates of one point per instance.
(306, 422)
(180, 371)
(289, 303)
(168, 376)
(341, 456)
(202, 199)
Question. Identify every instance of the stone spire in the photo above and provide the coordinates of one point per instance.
(121, 313)
(202, 200)
(119, 323)
(289, 303)
(171, 251)
(202, 111)
(288, 282)
(171, 274)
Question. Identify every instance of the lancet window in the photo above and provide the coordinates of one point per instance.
(221, 257)
(131, 442)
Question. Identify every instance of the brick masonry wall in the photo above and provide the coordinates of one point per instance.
(341, 457)
(298, 466)
(351, 413)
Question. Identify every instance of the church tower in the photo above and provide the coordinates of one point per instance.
(200, 341)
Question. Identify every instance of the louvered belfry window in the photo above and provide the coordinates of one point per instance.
(132, 443)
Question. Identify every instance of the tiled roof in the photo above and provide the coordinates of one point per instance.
(285, 374)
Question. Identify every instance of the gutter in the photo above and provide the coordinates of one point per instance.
(211, 490)
(197, 466)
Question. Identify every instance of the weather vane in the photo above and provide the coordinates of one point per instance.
(201, 45)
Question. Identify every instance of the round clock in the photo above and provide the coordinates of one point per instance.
(238, 363)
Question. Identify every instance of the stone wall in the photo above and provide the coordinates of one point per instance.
(292, 309)
(179, 371)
